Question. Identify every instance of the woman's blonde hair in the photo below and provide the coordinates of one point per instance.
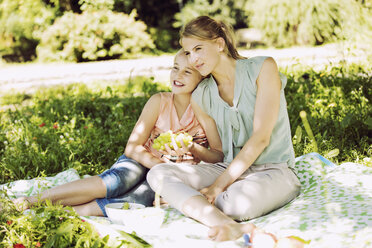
(206, 28)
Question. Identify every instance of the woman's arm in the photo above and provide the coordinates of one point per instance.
(214, 154)
(265, 116)
(141, 132)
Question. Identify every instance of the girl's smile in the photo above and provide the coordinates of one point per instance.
(178, 84)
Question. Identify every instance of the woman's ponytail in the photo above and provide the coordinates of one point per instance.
(206, 28)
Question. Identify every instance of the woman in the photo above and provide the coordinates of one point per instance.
(245, 98)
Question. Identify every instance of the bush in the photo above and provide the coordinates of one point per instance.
(228, 11)
(296, 22)
(94, 35)
(21, 26)
(158, 16)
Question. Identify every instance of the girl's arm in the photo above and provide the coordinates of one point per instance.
(141, 132)
(265, 116)
(214, 154)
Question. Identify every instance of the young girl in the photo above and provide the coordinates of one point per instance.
(125, 180)
(245, 98)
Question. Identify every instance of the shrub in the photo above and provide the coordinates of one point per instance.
(158, 16)
(296, 22)
(21, 25)
(228, 11)
(94, 35)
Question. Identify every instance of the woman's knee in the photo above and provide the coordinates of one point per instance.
(155, 177)
(237, 206)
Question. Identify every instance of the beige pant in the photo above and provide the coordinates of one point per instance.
(260, 190)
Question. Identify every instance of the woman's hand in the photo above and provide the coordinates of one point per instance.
(211, 193)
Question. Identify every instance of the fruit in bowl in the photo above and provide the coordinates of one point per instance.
(143, 220)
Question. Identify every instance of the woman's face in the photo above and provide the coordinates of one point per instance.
(203, 55)
(184, 78)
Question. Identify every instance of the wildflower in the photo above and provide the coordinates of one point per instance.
(34, 138)
(9, 222)
(82, 220)
(38, 244)
(55, 125)
(42, 124)
(86, 127)
(19, 246)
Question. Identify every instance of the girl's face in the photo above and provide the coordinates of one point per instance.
(184, 78)
(203, 55)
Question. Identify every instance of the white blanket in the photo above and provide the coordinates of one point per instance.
(334, 209)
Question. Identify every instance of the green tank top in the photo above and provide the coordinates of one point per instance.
(235, 123)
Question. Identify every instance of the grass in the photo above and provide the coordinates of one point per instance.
(87, 128)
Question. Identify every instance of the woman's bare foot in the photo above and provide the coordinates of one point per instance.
(22, 203)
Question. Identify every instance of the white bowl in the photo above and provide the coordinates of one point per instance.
(142, 220)
(117, 214)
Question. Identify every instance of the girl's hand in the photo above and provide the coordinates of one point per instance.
(177, 151)
(176, 155)
(183, 149)
(211, 193)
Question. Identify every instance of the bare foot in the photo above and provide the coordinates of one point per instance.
(22, 203)
(231, 231)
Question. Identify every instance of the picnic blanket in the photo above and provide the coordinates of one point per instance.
(334, 209)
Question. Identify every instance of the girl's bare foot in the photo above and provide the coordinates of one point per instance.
(22, 203)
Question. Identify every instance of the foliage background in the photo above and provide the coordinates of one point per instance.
(28, 26)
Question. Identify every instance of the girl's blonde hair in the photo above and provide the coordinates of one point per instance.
(206, 28)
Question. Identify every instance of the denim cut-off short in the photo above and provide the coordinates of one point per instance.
(125, 181)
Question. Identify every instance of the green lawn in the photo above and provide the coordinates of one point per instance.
(87, 127)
